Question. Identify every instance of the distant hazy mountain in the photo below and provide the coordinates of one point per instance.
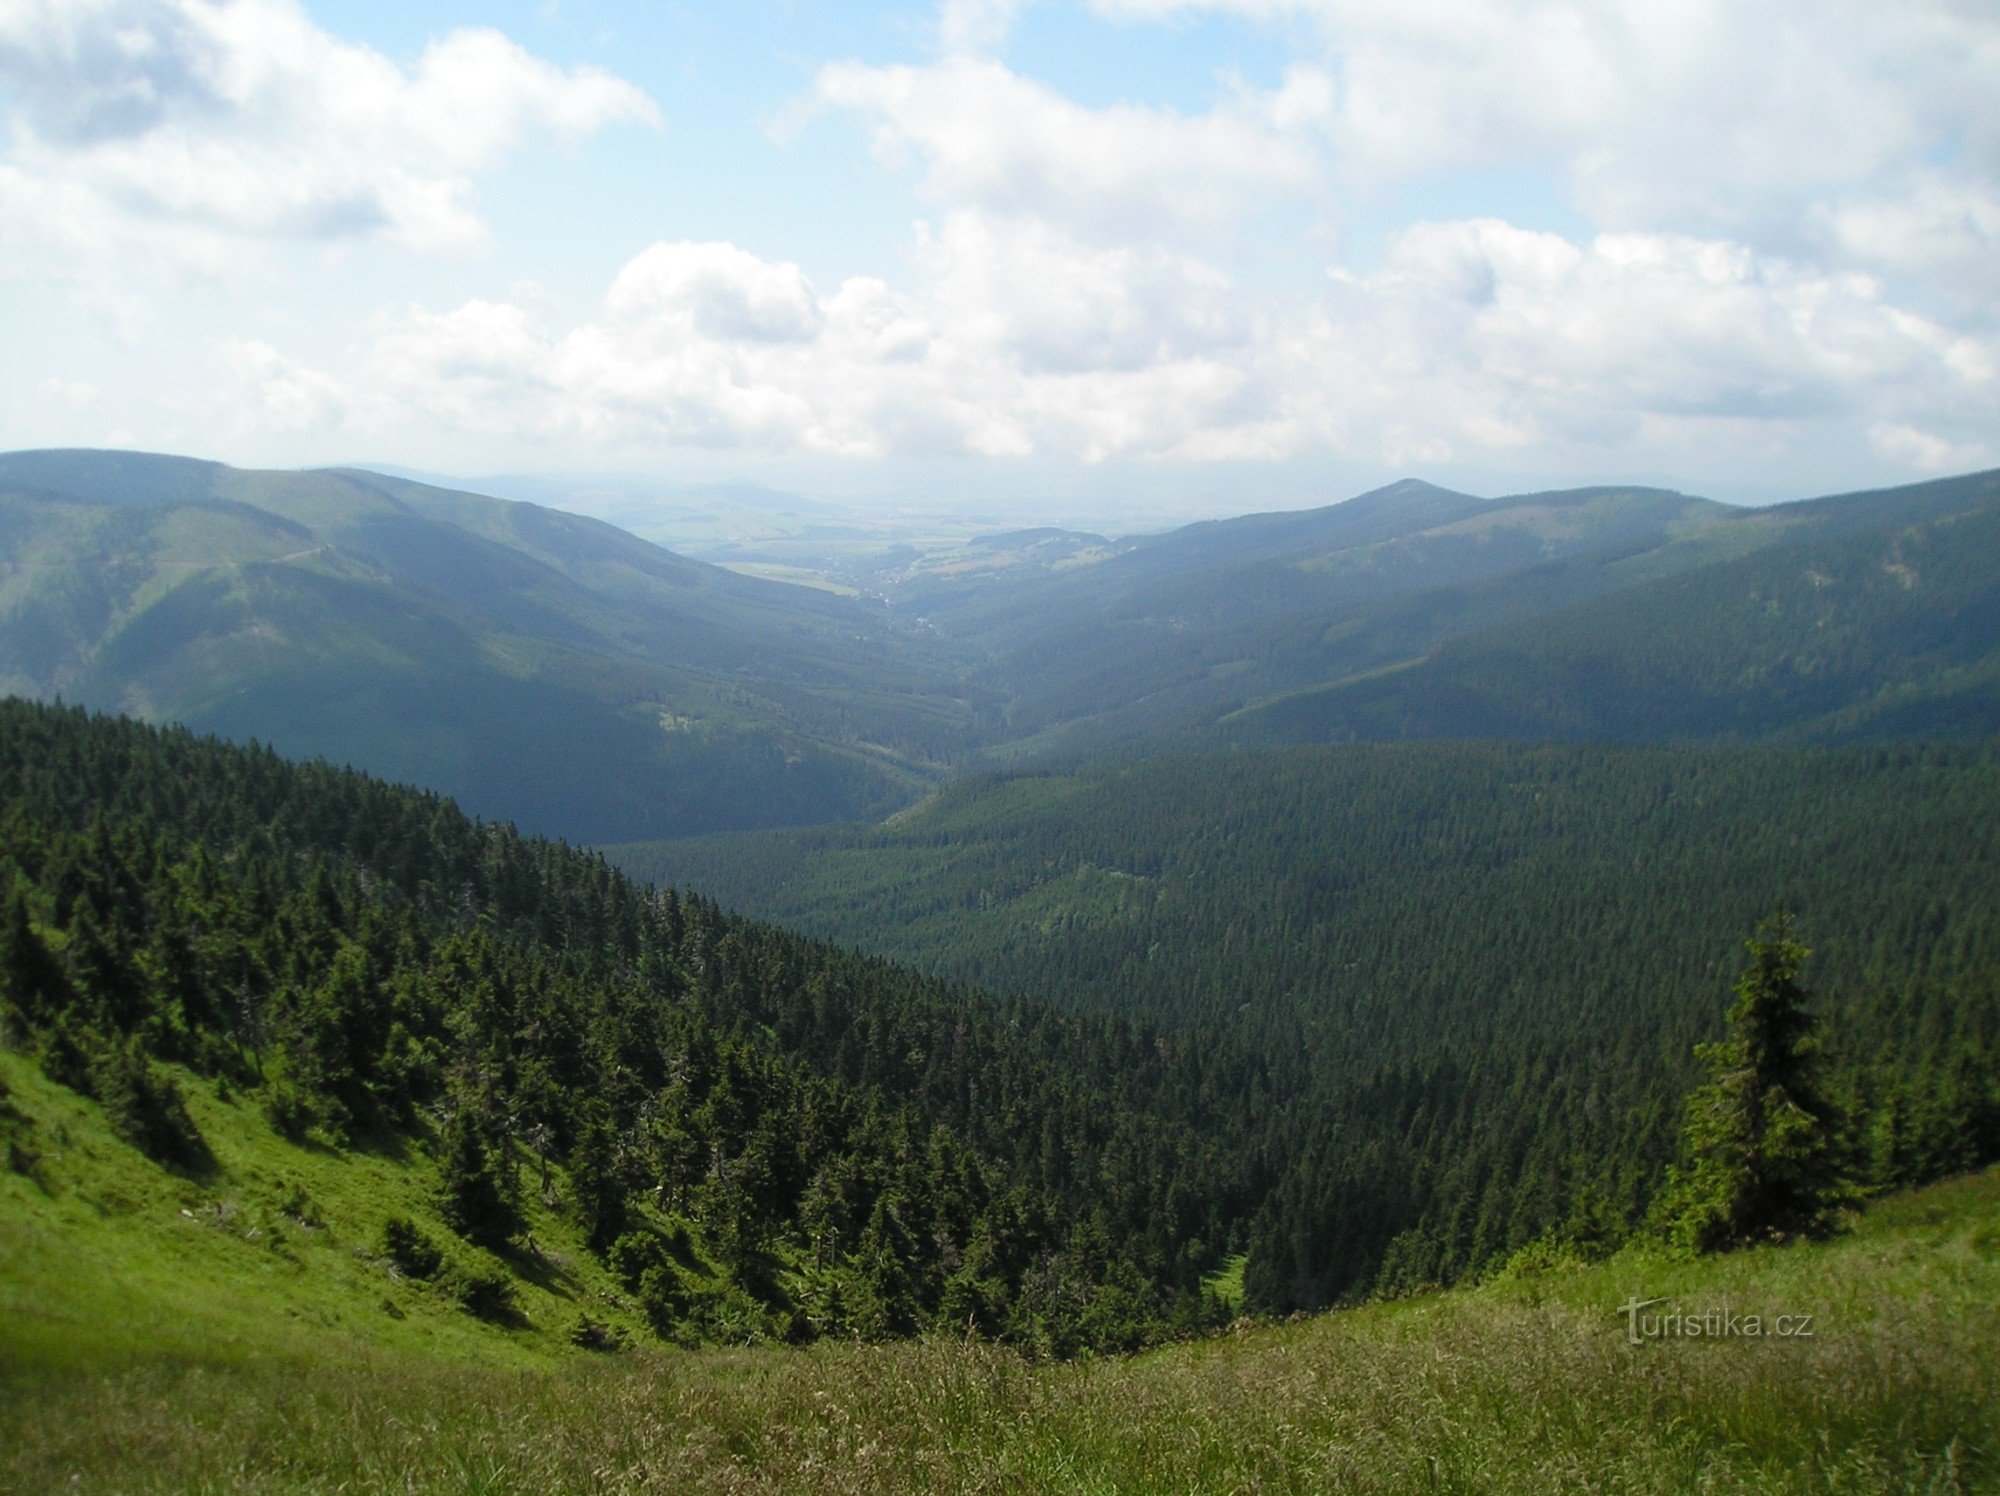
(550, 668)
(541, 666)
(1168, 633)
(1414, 612)
(1855, 617)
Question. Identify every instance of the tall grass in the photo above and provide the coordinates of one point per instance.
(215, 1363)
(1523, 1385)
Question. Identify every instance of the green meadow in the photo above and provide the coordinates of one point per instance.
(243, 1330)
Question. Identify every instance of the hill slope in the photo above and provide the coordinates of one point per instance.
(560, 672)
(259, 975)
(1625, 614)
(1163, 632)
(1526, 1384)
(545, 667)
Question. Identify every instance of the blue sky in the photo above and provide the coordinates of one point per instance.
(1095, 258)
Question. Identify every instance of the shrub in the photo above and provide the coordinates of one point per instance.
(485, 1294)
(663, 1298)
(633, 1253)
(593, 1335)
(65, 1057)
(470, 1193)
(289, 1110)
(146, 1108)
(414, 1254)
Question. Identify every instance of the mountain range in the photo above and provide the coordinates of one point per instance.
(542, 666)
(553, 670)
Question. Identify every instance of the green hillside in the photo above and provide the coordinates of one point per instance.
(1485, 965)
(260, 976)
(544, 667)
(1166, 632)
(1528, 1383)
(561, 673)
(349, 1140)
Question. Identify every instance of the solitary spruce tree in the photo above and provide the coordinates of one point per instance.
(1759, 1153)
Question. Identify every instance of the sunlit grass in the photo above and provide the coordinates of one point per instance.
(144, 1351)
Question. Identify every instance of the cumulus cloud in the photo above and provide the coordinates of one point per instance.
(1793, 224)
(1847, 128)
(272, 393)
(179, 129)
(715, 291)
(1526, 339)
(1471, 339)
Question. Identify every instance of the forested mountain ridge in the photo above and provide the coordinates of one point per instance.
(1867, 617)
(1170, 630)
(1415, 612)
(556, 671)
(1356, 1081)
(547, 667)
(1492, 961)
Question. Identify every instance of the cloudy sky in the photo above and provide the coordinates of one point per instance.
(1233, 252)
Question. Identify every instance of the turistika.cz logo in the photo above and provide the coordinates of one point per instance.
(1721, 1323)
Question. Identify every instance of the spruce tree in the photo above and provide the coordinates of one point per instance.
(30, 982)
(470, 1193)
(598, 1182)
(1760, 1155)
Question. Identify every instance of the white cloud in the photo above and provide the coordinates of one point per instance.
(1795, 224)
(73, 394)
(1939, 227)
(1926, 451)
(988, 138)
(1473, 340)
(269, 393)
(715, 291)
(178, 129)
(1847, 128)
(1029, 293)
(1523, 338)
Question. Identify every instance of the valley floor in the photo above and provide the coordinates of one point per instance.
(1530, 1382)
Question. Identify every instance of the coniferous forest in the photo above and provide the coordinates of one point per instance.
(838, 1140)
(1482, 969)
(1251, 984)
(760, 1132)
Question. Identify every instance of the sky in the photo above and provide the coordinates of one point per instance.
(1117, 256)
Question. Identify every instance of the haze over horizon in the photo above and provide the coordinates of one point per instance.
(1130, 261)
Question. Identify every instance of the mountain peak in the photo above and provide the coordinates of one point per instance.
(1402, 495)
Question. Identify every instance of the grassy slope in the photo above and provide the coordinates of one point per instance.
(142, 1350)
(106, 1258)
